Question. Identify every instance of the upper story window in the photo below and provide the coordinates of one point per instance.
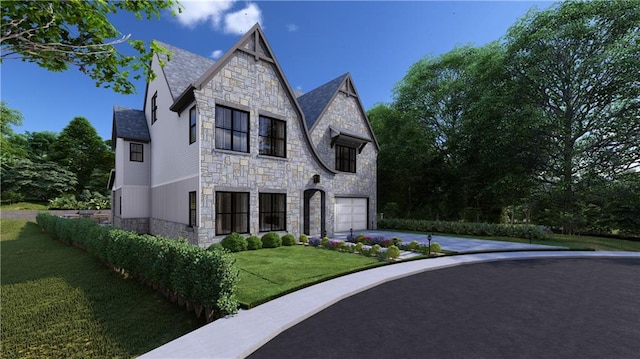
(193, 132)
(345, 159)
(273, 137)
(232, 129)
(135, 152)
(154, 108)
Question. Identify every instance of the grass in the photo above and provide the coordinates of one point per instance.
(24, 206)
(269, 273)
(58, 301)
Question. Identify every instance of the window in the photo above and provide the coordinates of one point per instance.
(273, 209)
(192, 125)
(232, 129)
(345, 159)
(273, 138)
(154, 108)
(232, 212)
(135, 152)
(192, 209)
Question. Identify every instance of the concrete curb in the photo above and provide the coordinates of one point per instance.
(239, 335)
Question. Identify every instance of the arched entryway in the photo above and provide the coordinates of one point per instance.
(314, 212)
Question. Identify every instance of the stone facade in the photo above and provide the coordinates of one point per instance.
(170, 229)
(138, 225)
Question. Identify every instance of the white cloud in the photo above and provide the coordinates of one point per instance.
(292, 27)
(216, 54)
(196, 12)
(241, 21)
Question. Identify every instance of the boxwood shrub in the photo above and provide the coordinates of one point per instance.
(288, 240)
(205, 277)
(477, 229)
(271, 240)
(234, 242)
(254, 242)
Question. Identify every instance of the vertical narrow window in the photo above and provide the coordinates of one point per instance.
(232, 212)
(192, 209)
(345, 159)
(273, 210)
(273, 137)
(135, 152)
(120, 205)
(154, 108)
(232, 129)
(192, 125)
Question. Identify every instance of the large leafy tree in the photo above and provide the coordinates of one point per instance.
(59, 34)
(80, 149)
(36, 181)
(11, 144)
(578, 63)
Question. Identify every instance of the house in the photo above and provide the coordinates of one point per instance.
(228, 146)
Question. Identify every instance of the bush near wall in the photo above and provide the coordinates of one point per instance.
(475, 229)
(203, 281)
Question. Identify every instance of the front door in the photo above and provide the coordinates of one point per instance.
(314, 212)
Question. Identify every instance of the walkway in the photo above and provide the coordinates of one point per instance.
(464, 301)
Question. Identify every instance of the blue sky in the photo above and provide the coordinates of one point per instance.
(314, 42)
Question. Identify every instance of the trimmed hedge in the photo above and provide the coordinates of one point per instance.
(475, 229)
(234, 242)
(254, 242)
(205, 279)
(288, 240)
(271, 240)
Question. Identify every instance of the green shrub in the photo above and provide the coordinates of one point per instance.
(358, 247)
(324, 241)
(215, 246)
(360, 237)
(271, 240)
(288, 240)
(205, 276)
(435, 247)
(374, 249)
(393, 252)
(303, 239)
(254, 242)
(234, 242)
(413, 245)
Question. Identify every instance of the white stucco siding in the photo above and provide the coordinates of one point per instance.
(171, 200)
(172, 157)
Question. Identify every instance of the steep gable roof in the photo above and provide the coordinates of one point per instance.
(314, 102)
(129, 124)
(183, 69)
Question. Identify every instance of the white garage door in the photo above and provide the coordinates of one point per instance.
(351, 213)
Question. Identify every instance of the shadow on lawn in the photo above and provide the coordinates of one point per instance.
(130, 314)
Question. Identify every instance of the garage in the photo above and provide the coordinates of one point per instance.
(350, 213)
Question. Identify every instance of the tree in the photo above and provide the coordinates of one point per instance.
(57, 34)
(38, 181)
(579, 64)
(80, 150)
(11, 144)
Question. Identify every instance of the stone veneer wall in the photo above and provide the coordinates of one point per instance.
(175, 230)
(138, 225)
(254, 86)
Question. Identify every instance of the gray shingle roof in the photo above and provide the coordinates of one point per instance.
(130, 124)
(183, 69)
(315, 101)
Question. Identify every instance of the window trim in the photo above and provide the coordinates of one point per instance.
(272, 197)
(272, 136)
(350, 161)
(154, 108)
(193, 120)
(232, 129)
(233, 212)
(193, 209)
(133, 152)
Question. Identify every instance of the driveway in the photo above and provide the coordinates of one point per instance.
(457, 244)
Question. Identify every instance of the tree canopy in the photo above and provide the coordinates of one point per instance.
(59, 34)
(545, 121)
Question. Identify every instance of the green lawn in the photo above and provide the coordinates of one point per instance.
(269, 273)
(58, 301)
(21, 206)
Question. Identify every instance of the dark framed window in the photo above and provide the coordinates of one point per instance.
(345, 159)
(273, 210)
(232, 212)
(192, 209)
(273, 137)
(193, 132)
(232, 129)
(154, 108)
(135, 152)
